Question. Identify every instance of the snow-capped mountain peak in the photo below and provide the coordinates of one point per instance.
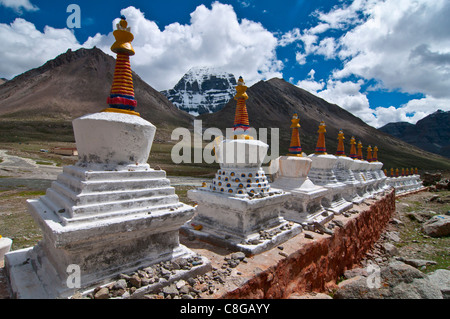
(202, 90)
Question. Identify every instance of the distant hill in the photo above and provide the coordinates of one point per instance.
(271, 105)
(432, 133)
(77, 83)
(202, 90)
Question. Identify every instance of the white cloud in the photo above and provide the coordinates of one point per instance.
(401, 45)
(24, 47)
(19, 5)
(214, 37)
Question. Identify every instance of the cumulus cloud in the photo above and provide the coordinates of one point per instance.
(19, 5)
(24, 47)
(401, 45)
(214, 37)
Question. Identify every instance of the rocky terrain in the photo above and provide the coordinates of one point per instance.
(431, 133)
(412, 258)
(202, 90)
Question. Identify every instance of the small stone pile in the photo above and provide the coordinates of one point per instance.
(155, 277)
(268, 234)
(162, 275)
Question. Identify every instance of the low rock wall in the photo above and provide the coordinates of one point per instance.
(316, 265)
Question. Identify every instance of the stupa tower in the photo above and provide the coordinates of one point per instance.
(241, 123)
(295, 148)
(238, 204)
(320, 147)
(340, 149)
(121, 98)
(353, 154)
(375, 154)
(360, 156)
(369, 154)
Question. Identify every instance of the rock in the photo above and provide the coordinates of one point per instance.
(165, 273)
(390, 249)
(185, 289)
(418, 263)
(238, 255)
(180, 283)
(322, 228)
(392, 236)
(102, 293)
(441, 278)
(309, 236)
(135, 281)
(339, 223)
(437, 226)
(355, 272)
(395, 281)
(170, 290)
(431, 179)
(120, 284)
(395, 221)
(416, 217)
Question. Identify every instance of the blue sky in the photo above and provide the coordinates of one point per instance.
(382, 60)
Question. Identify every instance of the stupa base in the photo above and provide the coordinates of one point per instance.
(250, 225)
(31, 276)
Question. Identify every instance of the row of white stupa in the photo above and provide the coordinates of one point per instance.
(111, 213)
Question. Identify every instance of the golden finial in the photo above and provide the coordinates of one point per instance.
(340, 149)
(295, 148)
(320, 147)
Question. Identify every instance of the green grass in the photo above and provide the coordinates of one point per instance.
(414, 239)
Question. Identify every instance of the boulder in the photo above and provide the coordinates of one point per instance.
(437, 226)
(431, 179)
(441, 278)
(395, 281)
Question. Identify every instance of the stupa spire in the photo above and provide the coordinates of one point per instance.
(320, 147)
(369, 154)
(295, 148)
(121, 98)
(241, 123)
(375, 154)
(353, 154)
(360, 155)
(340, 149)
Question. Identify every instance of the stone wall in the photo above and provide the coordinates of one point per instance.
(316, 265)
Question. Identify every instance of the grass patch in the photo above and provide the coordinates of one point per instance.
(415, 243)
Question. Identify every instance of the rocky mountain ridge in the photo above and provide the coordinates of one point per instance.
(432, 133)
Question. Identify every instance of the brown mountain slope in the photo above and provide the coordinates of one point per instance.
(271, 105)
(76, 83)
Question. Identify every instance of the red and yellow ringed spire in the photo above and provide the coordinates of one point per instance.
(121, 98)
